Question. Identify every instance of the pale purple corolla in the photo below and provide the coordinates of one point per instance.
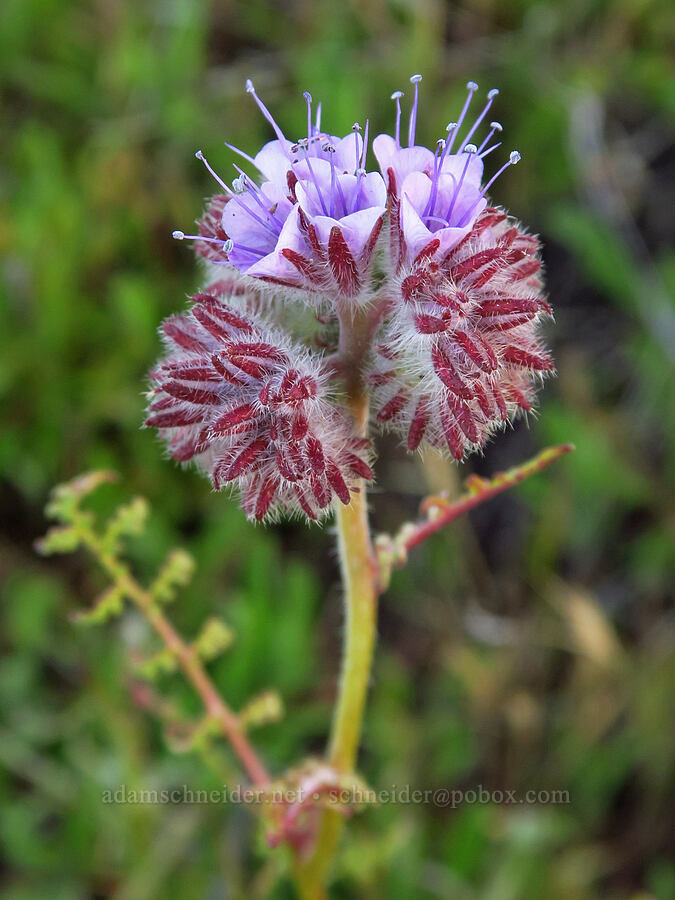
(314, 221)
(439, 193)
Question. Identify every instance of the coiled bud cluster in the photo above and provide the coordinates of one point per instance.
(252, 410)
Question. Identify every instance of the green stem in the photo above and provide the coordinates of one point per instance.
(358, 576)
(358, 568)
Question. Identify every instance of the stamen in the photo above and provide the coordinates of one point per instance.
(265, 111)
(365, 144)
(256, 193)
(318, 116)
(335, 180)
(415, 79)
(440, 147)
(514, 158)
(451, 127)
(252, 250)
(308, 101)
(356, 128)
(335, 186)
(494, 126)
(396, 96)
(235, 197)
(472, 87)
(357, 193)
(490, 149)
(181, 236)
(200, 156)
(491, 96)
(469, 150)
(241, 153)
(313, 177)
(249, 184)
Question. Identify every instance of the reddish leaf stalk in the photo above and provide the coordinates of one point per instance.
(441, 511)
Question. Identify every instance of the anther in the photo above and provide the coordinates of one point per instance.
(178, 235)
(415, 79)
(397, 95)
(494, 126)
(447, 147)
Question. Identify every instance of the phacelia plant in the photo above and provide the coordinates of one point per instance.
(340, 301)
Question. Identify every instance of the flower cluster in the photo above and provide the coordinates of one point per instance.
(453, 309)
(252, 409)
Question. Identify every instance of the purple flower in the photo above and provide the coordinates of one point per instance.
(312, 224)
(437, 195)
(328, 239)
(440, 209)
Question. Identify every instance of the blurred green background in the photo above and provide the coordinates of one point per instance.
(530, 646)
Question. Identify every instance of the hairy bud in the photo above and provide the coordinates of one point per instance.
(251, 409)
(459, 353)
